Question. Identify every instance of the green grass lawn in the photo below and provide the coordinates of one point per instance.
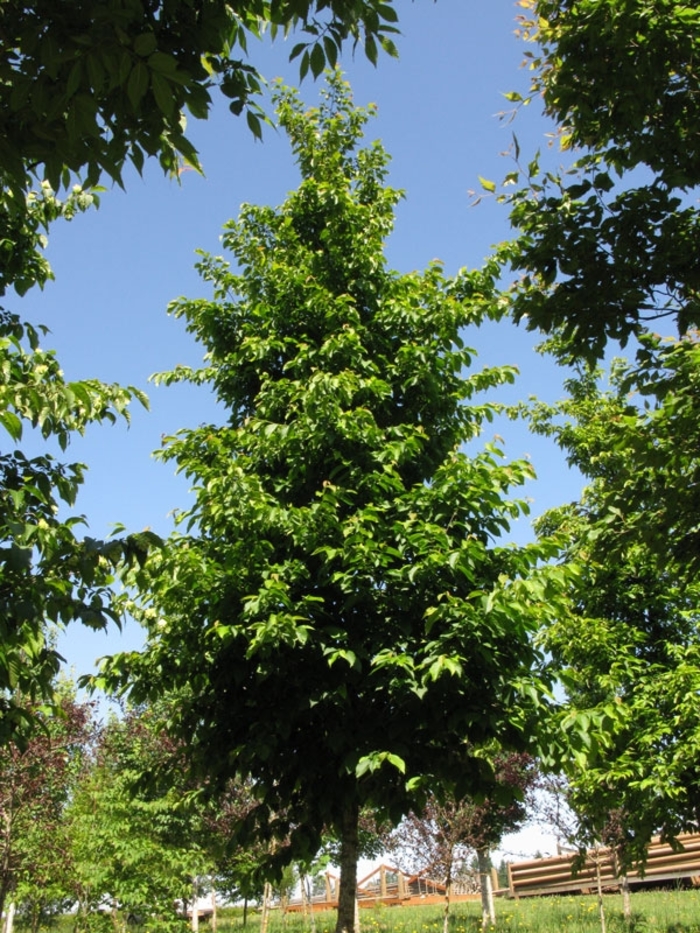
(653, 912)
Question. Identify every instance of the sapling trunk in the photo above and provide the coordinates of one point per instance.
(599, 886)
(488, 908)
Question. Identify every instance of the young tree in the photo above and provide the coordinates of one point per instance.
(339, 616)
(443, 837)
(611, 246)
(135, 841)
(36, 783)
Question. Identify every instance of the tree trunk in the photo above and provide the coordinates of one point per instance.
(195, 909)
(10, 918)
(446, 911)
(626, 896)
(265, 916)
(599, 886)
(308, 901)
(488, 909)
(348, 916)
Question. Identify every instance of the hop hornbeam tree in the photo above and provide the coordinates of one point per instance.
(339, 615)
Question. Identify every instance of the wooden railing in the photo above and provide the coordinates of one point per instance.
(556, 875)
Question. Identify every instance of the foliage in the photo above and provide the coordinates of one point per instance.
(445, 834)
(442, 839)
(48, 575)
(84, 89)
(135, 841)
(36, 782)
(339, 617)
(630, 651)
(612, 244)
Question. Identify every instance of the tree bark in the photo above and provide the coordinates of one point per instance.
(626, 896)
(348, 917)
(599, 886)
(446, 911)
(488, 909)
(265, 916)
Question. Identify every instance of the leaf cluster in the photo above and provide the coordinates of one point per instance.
(611, 244)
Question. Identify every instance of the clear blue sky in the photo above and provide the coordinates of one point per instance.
(118, 267)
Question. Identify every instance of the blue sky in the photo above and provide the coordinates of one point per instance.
(118, 267)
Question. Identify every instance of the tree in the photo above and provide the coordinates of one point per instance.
(611, 246)
(84, 89)
(339, 617)
(137, 839)
(629, 652)
(442, 838)
(36, 782)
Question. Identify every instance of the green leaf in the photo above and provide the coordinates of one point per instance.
(137, 84)
(145, 44)
(12, 424)
(317, 60)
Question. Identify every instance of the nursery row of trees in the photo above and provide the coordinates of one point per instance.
(339, 620)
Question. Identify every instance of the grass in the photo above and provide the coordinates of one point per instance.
(653, 912)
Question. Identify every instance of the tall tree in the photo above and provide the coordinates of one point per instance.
(629, 652)
(611, 246)
(85, 89)
(339, 615)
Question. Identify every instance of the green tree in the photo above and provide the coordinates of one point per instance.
(137, 841)
(339, 616)
(84, 89)
(629, 652)
(611, 246)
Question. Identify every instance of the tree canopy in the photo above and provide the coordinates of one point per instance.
(85, 88)
(610, 246)
(340, 617)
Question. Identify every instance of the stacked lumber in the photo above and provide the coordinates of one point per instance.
(556, 875)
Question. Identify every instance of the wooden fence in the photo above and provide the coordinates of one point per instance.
(390, 886)
(556, 875)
